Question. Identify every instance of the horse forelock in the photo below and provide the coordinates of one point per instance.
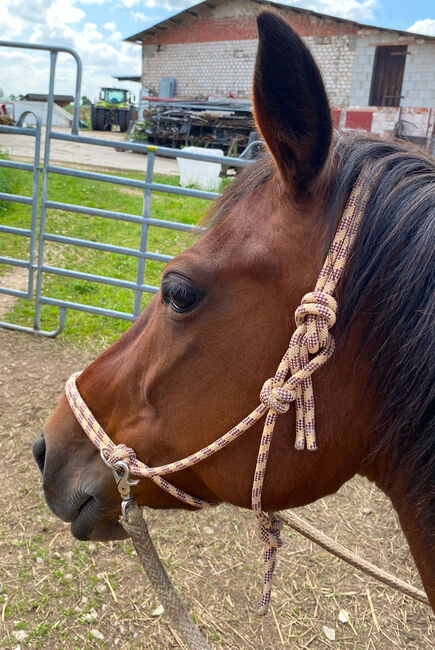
(388, 282)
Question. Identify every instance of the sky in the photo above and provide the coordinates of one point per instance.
(96, 29)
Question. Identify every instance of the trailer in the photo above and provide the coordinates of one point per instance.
(227, 125)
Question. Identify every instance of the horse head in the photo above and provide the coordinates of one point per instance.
(194, 363)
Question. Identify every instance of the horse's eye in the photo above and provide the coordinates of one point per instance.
(179, 294)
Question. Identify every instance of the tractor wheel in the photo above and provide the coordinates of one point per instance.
(94, 120)
(101, 119)
(123, 120)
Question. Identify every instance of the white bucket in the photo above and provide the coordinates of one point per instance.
(204, 175)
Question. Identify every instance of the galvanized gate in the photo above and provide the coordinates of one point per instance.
(38, 235)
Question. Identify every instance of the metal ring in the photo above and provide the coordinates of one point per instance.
(126, 503)
(106, 462)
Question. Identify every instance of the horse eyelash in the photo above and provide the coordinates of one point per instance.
(169, 284)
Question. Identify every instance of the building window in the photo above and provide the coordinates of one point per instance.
(388, 75)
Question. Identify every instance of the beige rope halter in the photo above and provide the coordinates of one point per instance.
(310, 347)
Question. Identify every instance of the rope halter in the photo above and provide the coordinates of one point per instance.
(310, 347)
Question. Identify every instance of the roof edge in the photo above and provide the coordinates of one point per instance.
(136, 38)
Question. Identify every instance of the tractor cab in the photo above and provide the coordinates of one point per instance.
(114, 96)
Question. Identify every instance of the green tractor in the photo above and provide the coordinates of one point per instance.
(114, 108)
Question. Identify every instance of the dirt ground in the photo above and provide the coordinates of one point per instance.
(86, 155)
(57, 593)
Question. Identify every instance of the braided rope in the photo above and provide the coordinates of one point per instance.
(291, 383)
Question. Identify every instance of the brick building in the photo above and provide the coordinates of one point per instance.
(374, 76)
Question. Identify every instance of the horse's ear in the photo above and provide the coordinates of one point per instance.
(290, 103)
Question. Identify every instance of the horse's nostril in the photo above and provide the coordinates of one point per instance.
(38, 449)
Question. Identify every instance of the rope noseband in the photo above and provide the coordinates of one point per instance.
(310, 347)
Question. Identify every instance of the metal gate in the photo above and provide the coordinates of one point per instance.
(37, 233)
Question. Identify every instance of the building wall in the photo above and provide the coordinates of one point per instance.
(216, 68)
(419, 77)
(418, 88)
(334, 55)
(213, 54)
(211, 69)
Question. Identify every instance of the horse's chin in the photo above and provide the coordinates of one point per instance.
(90, 525)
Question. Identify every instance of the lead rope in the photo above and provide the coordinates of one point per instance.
(292, 382)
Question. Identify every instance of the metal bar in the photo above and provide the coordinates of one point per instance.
(87, 308)
(101, 279)
(16, 165)
(15, 198)
(147, 148)
(13, 292)
(122, 216)
(11, 230)
(95, 176)
(35, 194)
(146, 211)
(130, 182)
(31, 330)
(12, 261)
(43, 214)
(93, 212)
(108, 248)
(172, 225)
(17, 129)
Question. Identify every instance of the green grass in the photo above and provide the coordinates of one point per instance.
(82, 327)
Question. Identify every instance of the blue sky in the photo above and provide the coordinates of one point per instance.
(96, 28)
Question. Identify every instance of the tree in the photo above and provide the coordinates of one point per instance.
(86, 101)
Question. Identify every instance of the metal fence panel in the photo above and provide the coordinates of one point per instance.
(38, 233)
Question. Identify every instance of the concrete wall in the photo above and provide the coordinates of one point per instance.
(334, 56)
(418, 87)
(60, 116)
(211, 69)
(419, 77)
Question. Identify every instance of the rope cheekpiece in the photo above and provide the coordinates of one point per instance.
(310, 347)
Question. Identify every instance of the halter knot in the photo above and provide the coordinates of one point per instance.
(276, 397)
(317, 313)
(119, 453)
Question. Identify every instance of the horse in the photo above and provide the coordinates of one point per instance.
(193, 363)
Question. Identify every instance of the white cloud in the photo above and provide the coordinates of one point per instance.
(130, 3)
(139, 17)
(426, 26)
(169, 5)
(358, 10)
(63, 12)
(116, 36)
(350, 9)
(61, 22)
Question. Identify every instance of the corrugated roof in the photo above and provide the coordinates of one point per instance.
(200, 6)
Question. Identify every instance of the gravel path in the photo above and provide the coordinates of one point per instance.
(58, 594)
(21, 147)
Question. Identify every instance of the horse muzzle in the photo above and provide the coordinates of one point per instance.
(79, 490)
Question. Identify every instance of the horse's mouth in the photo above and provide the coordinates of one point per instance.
(92, 522)
(77, 499)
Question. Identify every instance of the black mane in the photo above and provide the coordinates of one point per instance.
(390, 278)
